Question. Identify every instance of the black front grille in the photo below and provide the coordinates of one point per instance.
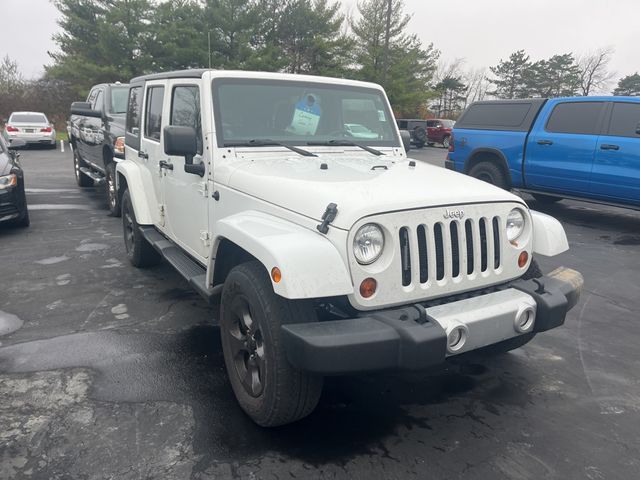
(6, 210)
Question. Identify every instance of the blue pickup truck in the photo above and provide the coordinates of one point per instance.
(587, 148)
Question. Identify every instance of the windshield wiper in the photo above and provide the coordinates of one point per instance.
(257, 142)
(347, 143)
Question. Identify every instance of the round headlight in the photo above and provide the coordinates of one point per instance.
(368, 243)
(515, 224)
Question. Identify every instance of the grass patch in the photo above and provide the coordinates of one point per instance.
(61, 136)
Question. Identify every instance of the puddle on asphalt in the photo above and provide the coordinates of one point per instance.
(188, 368)
(92, 247)
(9, 323)
(52, 260)
(61, 206)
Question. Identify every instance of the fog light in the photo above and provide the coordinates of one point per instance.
(522, 259)
(524, 320)
(456, 338)
(368, 287)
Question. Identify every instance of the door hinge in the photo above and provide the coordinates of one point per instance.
(205, 237)
(204, 190)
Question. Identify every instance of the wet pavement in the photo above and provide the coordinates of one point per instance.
(107, 371)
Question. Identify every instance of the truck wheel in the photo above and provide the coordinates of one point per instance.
(446, 141)
(139, 251)
(489, 172)
(81, 179)
(265, 384)
(545, 199)
(112, 193)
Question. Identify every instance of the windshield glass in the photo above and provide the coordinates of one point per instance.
(300, 112)
(28, 118)
(119, 96)
(448, 123)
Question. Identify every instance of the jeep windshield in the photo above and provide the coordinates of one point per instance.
(300, 113)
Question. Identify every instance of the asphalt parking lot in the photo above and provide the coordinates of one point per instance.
(107, 371)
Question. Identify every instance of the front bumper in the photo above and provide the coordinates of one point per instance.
(12, 204)
(415, 337)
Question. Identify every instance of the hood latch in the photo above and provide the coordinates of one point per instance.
(328, 216)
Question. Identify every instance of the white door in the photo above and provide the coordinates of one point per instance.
(151, 151)
(185, 195)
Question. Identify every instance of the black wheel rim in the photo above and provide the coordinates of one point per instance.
(76, 165)
(246, 346)
(111, 191)
(127, 221)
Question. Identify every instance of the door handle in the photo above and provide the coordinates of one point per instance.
(144, 155)
(545, 142)
(164, 164)
(607, 146)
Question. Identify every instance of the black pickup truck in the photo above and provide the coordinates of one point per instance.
(96, 135)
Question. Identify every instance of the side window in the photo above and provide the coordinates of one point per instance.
(134, 105)
(92, 95)
(575, 117)
(153, 113)
(185, 110)
(625, 120)
(402, 124)
(98, 104)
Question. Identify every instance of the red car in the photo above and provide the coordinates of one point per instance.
(428, 132)
(439, 131)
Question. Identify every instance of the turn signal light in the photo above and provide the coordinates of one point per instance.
(522, 259)
(276, 274)
(368, 287)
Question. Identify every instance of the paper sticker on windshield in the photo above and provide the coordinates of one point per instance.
(381, 116)
(306, 116)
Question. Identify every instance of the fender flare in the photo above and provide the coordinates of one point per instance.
(311, 265)
(502, 160)
(131, 172)
(549, 237)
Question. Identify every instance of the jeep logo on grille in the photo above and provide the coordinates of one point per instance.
(454, 214)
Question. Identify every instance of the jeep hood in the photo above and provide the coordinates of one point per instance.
(358, 185)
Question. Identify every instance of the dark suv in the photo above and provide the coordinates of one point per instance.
(427, 132)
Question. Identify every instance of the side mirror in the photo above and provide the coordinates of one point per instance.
(183, 142)
(406, 140)
(84, 108)
(16, 143)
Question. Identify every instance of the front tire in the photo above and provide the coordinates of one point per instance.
(268, 388)
(113, 201)
(491, 173)
(139, 251)
(81, 179)
(446, 141)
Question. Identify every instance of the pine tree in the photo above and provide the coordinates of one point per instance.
(513, 76)
(629, 86)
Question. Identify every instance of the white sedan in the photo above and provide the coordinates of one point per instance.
(32, 127)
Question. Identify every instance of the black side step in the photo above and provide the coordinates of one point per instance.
(97, 178)
(191, 271)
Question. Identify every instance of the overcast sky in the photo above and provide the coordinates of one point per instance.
(480, 31)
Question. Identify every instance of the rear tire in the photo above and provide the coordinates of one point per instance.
(430, 144)
(419, 136)
(491, 173)
(139, 251)
(446, 141)
(81, 179)
(268, 388)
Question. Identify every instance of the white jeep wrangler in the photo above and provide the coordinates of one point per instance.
(290, 201)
